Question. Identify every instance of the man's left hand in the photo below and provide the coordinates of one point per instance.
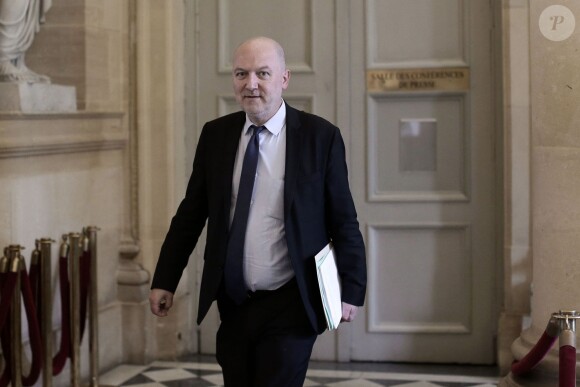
(348, 312)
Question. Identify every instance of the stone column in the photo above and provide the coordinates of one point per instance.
(555, 176)
(160, 111)
(516, 170)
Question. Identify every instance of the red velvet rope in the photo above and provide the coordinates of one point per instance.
(64, 352)
(535, 355)
(30, 287)
(59, 361)
(8, 283)
(34, 275)
(567, 377)
(6, 349)
(33, 331)
(8, 288)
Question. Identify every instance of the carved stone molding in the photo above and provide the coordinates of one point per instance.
(24, 135)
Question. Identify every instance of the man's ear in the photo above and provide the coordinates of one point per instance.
(286, 79)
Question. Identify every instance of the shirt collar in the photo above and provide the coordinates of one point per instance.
(274, 124)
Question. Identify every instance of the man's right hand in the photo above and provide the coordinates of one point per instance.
(160, 302)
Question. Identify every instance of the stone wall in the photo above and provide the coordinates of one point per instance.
(60, 171)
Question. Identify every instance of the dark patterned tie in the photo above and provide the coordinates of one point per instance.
(235, 284)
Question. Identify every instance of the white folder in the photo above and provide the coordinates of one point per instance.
(329, 284)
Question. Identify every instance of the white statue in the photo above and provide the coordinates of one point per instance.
(19, 21)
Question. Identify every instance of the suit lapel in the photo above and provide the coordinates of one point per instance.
(293, 139)
(231, 142)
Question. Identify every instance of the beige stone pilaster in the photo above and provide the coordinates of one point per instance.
(555, 185)
(160, 111)
(517, 230)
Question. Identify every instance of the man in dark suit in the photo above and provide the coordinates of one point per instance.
(265, 224)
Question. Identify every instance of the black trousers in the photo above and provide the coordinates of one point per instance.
(265, 342)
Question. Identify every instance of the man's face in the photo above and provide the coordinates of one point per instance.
(259, 78)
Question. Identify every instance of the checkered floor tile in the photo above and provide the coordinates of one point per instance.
(201, 374)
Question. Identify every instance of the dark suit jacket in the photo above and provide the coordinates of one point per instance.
(318, 208)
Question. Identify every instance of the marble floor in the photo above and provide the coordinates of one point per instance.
(201, 371)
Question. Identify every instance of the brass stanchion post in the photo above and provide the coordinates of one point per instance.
(46, 309)
(34, 263)
(4, 261)
(16, 318)
(93, 308)
(4, 268)
(91, 232)
(75, 291)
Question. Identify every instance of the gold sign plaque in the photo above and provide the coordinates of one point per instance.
(436, 79)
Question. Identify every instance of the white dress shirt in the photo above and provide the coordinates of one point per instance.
(266, 262)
